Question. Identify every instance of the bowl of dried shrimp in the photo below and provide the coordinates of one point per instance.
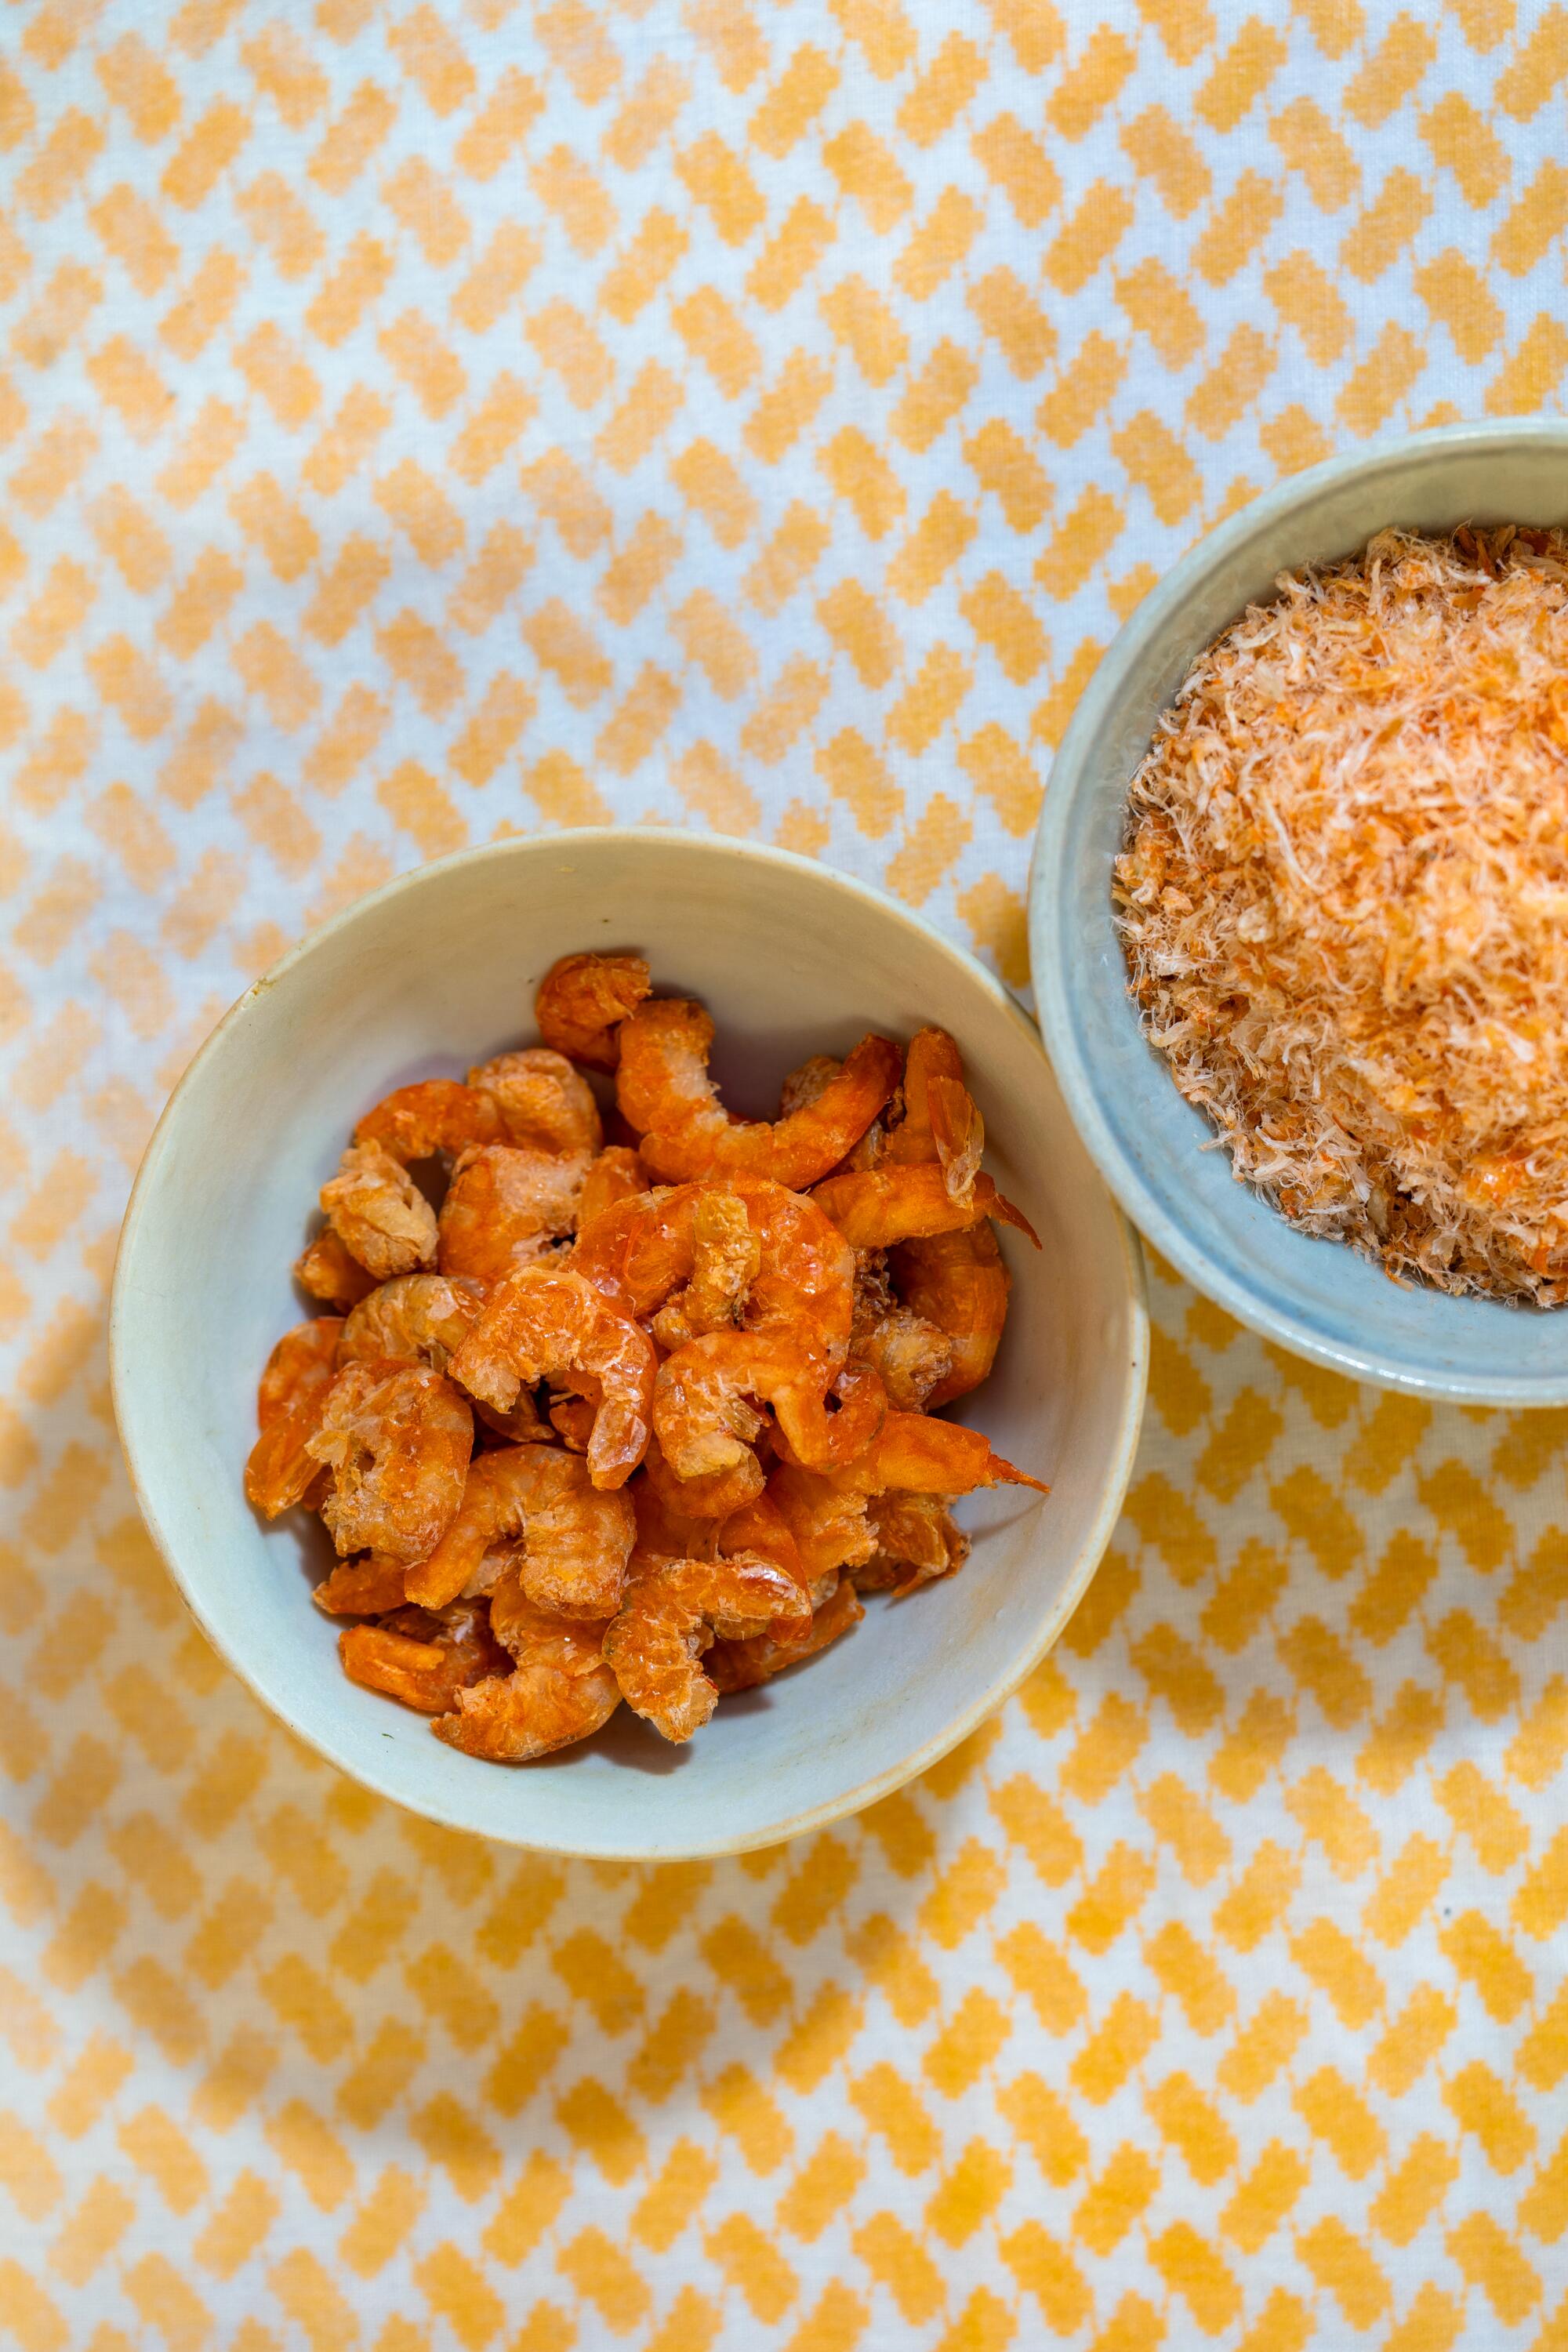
(1296, 915)
(620, 1346)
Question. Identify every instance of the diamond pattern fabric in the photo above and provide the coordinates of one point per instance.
(422, 422)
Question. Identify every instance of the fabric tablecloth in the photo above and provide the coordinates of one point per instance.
(423, 422)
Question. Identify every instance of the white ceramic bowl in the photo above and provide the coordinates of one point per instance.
(1155, 1150)
(437, 972)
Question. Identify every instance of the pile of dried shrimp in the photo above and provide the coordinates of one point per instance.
(634, 1421)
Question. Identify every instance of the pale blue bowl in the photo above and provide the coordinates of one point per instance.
(1317, 1297)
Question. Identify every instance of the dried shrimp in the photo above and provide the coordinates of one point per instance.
(617, 1174)
(422, 1656)
(742, 1665)
(875, 1208)
(546, 1322)
(641, 1420)
(543, 1103)
(437, 1115)
(289, 1405)
(326, 1269)
(414, 1319)
(584, 999)
(396, 1438)
(504, 1207)
(368, 1586)
(559, 1689)
(379, 1214)
(956, 1284)
(573, 1540)
(671, 1616)
(664, 1091)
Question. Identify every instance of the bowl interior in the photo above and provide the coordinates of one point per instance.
(440, 971)
(1157, 1151)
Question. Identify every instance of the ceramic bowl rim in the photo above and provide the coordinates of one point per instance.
(1121, 1453)
(1073, 777)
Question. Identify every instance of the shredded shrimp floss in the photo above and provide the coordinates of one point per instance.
(1345, 901)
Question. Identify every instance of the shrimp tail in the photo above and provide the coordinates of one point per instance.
(1007, 1212)
(920, 1456)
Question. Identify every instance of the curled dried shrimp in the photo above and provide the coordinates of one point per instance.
(787, 1336)
(504, 1208)
(665, 1532)
(671, 1615)
(957, 1285)
(761, 1527)
(832, 1528)
(908, 1352)
(726, 1258)
(546, 1322)
(369, 1586)
(559, 1689)
(916, 1539)
(875, 1208)
(664, 1092)
(327, 1270)
(918, 1456)
(639, 1421)
(711, 1496)
(414, 1319)
(423, 1656)
(940, 1121)
(617, 1174)
(437, 1115)
(397, 1439)
(379, 1214)
(584, 999)
(288, 1404)
(573, 1539)
(742, 1665)
(545, 1104)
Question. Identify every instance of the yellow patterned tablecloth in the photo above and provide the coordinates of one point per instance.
(422, 421)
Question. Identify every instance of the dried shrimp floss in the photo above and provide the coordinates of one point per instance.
(635, 1423)
(1343, 894)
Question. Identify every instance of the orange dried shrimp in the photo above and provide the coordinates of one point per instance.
(638, 1421)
